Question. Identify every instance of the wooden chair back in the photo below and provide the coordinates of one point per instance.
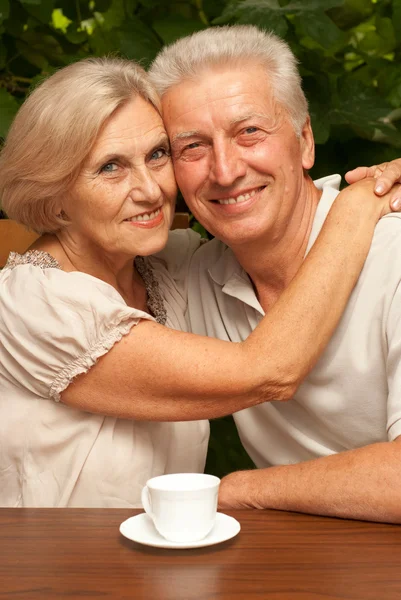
(15, 238)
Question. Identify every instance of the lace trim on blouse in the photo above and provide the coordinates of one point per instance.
(83, 363)
(44, 260)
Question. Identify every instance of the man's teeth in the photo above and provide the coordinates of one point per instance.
(238, 199)
(146, 216)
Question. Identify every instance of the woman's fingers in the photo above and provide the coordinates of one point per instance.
(360, 173)
(386, 175)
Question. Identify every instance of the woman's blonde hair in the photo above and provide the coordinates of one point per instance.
(54, 131)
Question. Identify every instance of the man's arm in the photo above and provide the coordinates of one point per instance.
(359, 484)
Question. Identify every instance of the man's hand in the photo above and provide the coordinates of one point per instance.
(364, 483)
(386, 174)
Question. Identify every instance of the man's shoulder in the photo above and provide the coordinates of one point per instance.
(381, 274)
(387, 238)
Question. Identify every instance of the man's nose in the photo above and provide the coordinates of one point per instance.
(227, 165)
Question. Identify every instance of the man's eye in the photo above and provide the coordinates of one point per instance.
(109, 168)
(192, 146)
(250, 130)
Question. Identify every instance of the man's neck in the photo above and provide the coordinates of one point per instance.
(273, 262)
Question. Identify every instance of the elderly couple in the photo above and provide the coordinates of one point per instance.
(102, 385)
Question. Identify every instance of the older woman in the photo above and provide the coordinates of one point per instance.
(98, 392)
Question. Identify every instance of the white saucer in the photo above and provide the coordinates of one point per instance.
(141, 529)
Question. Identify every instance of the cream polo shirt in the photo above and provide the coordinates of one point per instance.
(353, 396)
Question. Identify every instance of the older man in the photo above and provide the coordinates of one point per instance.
(242, 146)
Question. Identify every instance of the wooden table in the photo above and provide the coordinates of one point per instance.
(52, 554)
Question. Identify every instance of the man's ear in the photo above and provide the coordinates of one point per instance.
(307, 145)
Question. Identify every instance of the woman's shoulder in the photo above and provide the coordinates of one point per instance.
(37, 272)
(34, 288)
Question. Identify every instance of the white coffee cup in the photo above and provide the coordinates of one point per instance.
(182, 506)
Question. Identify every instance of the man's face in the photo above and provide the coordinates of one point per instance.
(237, 160)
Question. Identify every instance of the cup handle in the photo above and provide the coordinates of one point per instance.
(146, 501)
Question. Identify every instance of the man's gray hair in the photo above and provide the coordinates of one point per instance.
(232, 46)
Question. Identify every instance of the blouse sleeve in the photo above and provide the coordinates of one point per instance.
(55, 325)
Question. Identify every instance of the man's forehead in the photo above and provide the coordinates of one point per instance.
(229, 93)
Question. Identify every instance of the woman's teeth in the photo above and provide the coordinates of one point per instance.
(238, 199)
(146, 216)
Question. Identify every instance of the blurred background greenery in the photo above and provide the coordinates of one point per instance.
(350, 61)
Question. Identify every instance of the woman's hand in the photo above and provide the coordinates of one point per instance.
(386, 175)
(362, 196)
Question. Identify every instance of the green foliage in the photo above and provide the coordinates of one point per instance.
(349, 53)
(226, 453)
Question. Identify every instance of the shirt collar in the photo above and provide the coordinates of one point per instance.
(234, 280)
(330, 186)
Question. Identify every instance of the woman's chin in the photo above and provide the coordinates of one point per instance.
(153, 246)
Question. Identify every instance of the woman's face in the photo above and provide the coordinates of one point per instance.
(122, 203)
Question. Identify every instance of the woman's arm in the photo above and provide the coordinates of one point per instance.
(155, 373)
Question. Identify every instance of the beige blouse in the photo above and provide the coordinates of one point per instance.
(53, 326)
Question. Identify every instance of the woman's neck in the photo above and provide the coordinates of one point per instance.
(117, 271)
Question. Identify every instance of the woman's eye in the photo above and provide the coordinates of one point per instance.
(159, 153)
(109, 167)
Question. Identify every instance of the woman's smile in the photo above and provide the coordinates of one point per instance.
(148, 219)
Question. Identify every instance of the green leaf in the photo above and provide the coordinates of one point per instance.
(42, 10)
(263, 18)
(75, 35)
(172, 27)
(312, 5)
(351, 13)
(394, 96)
(114, 16)
(32, 56)
(270, 14)
(361, 108)
(8, 109)
(322, 30)
(388, 134)
(199, 229)
(3, 55)
(40, 49)
(213, 8)
(138, 42)
(256, 8)
(4, 10)
(320, 123)
(318, 91)
(117, 13)
(373, 44)
(102, 5)
(75, 10)
(133, 40)
(37, 2)
(397, 18)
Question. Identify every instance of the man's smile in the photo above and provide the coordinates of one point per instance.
(238, 198)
